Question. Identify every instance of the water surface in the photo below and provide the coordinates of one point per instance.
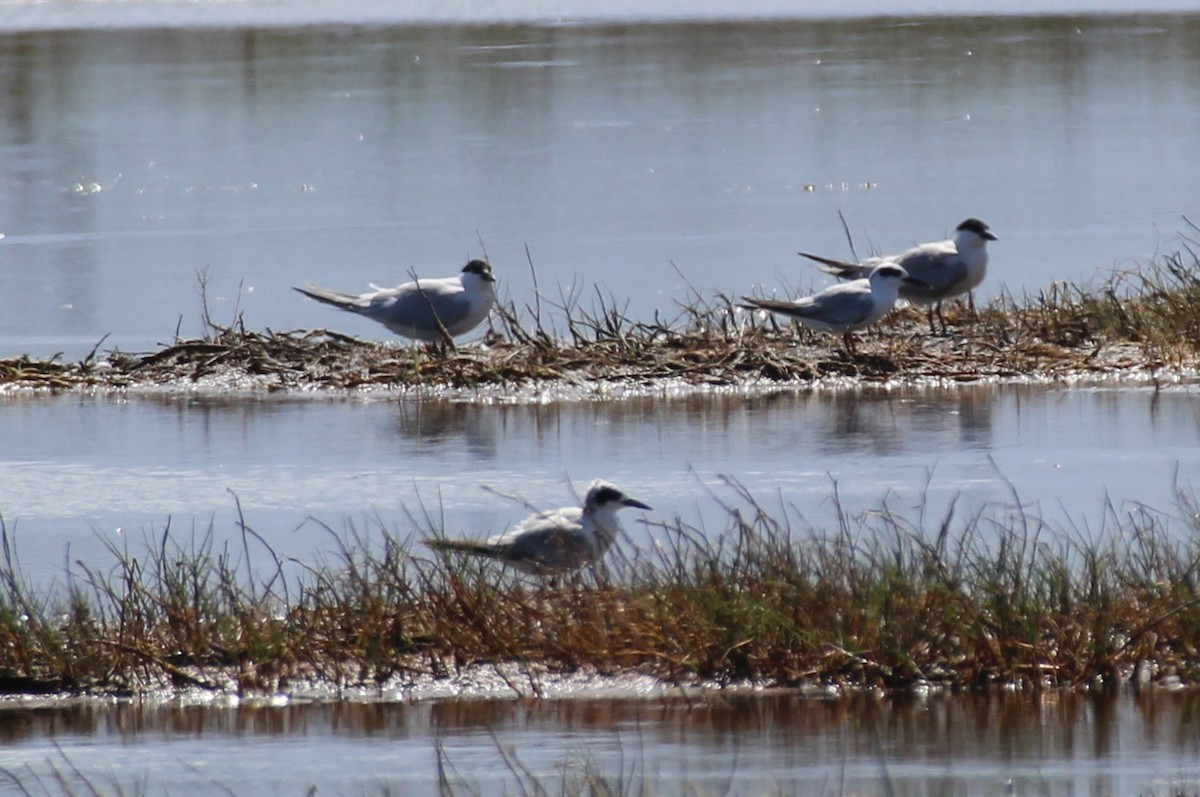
(265, 144)
(79, 471)
(1060, 744)
(636, 161)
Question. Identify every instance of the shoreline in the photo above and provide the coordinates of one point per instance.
(887, 599)
(721, 350)
(1000, 599)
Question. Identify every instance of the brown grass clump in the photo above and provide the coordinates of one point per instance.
(1144, 320)
(883, 600)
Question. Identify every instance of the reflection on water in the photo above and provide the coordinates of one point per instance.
(130, 160)
(1061, 743)
(430, 425)
(134, 159)
(79, 470)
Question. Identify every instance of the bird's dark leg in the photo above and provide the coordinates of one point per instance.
(929, 313)
(941, 318)
(434, 349)
(848, 340)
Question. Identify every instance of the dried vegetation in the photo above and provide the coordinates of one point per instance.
(1144, 321)
(883, 600)
(1000, 597)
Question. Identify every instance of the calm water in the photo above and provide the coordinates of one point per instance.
(1059, 745)
(144, 143)
(81, 471)
(633, 159)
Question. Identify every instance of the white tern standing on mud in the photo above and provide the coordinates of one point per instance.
(846, 306)
(460, 303)
(945, 268)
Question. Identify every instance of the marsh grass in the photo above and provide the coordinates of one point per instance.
(1145, 318)
(885, 599)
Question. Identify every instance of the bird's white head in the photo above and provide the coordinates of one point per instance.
(972, 234)
(478, 272)
(603, 496)
(887, 278)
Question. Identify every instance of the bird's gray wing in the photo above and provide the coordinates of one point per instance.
(834, 309)
(343, 301)
(839, 268)
(552, 540)
(843, 269)
(546, 541)
(551, 549)
(409, 307)
(937, 265)
(842, 305)
(794, 309)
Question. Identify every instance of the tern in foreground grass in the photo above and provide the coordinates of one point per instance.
(945, 269)
(557, 540)
(422, 309)
(847, 306)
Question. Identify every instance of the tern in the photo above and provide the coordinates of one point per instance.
(421, 310)
(946, 268)
(847, 306)
(557, 540)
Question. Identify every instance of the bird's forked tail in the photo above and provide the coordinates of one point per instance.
(465, 546)
(839, 268)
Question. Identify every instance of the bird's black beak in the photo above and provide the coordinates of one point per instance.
(988, 235)
(635, 503)
(907, 280)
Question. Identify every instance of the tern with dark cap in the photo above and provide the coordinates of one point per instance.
(426, 309)
(557, 540)
(945, 269)
(847, 306)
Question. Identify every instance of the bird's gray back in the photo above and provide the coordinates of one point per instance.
(552, 540)
(553, 549)
(843, 305)
(938, 266)
(409, 311)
